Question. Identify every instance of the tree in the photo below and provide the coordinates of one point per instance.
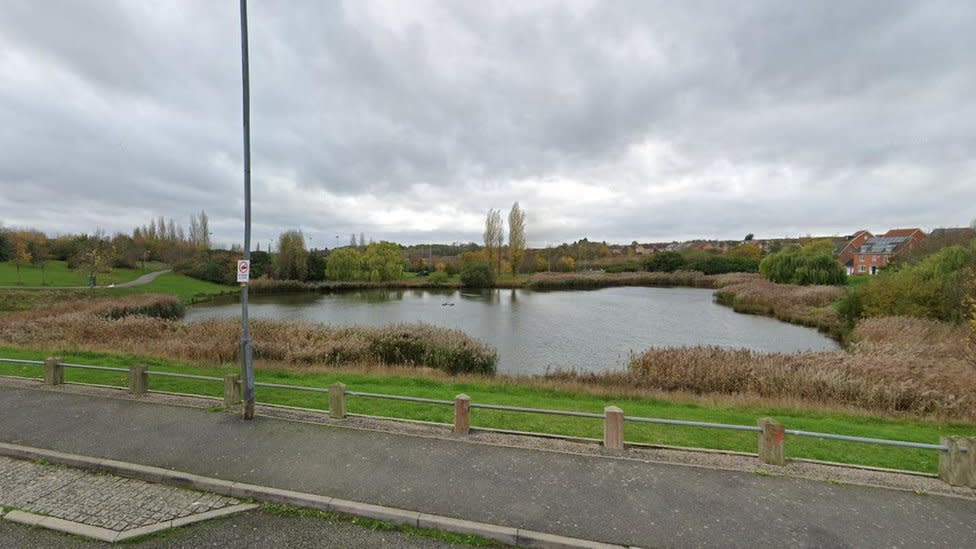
(291, 261)
(384, 261)
(344, 264)
(200, 230)
(352, 241)
(494, 238)
(811, 264)
(477, 274)
(362, 241)
(749, 237)
(516, 236)
(22, 255)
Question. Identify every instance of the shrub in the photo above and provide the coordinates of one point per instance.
(438, 277)
(720, 264)
(665, 262)
(477, 275)
(932, 288)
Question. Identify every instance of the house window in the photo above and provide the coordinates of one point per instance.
(862, 257)
(861, 268)
(874, 259)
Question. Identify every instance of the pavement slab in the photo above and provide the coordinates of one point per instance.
(100, 506)
(597, 498)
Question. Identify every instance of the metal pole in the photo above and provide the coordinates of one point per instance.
(247, 366)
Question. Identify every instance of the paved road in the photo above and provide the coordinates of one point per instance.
(141, 281)
(620, 501)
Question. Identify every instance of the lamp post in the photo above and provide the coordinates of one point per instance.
(247, 365)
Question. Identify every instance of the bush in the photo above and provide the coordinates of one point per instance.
(665, 262)
(720, 264)
(438, 277)
(933, 288)
(803, 266)
(477, 275)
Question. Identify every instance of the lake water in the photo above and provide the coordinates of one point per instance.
(535, 331)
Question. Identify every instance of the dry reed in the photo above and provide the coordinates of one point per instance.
(147, 325)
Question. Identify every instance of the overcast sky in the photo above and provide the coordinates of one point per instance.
(408, 120)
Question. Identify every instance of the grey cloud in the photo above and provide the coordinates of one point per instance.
(767, 117)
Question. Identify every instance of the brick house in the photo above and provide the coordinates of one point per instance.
(877, 251)
(845, 248)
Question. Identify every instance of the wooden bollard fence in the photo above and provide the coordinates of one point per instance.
(772, 436)
(613, 428)
(337, 400)
(232, 390)
(53, 371)
(957, 465)
(462, 414)
(138, 379)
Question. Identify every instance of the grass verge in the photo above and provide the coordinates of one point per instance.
(282, 510)
(511, 392)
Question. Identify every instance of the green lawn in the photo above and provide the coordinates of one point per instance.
(57, 273)
(187, 289)
(495, 392)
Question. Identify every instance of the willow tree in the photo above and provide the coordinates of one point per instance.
(516, 236)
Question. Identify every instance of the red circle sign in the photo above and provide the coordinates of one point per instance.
(242, 267)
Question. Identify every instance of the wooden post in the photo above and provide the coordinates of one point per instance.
(462, 414)
(771, 441)
(138, 379)
(955, 465)
(971, 459)
(53, 371)
(232, 390)
(337, 400)
(613, 428)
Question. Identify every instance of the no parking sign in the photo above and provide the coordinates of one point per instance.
(243, 270)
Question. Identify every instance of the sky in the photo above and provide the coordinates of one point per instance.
(409, 120)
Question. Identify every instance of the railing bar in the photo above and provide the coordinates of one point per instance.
(866, 440)
(91, 367)
(684, 423)
(21, 361)
(403, 398)
(536, 410)
(184, 376)
(286, 386)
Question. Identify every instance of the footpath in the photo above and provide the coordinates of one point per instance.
(601, 498)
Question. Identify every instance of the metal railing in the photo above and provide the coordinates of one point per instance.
(338, 393)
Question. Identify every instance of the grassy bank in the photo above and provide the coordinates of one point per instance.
(187, 290)
(538, 393)
(57, 273)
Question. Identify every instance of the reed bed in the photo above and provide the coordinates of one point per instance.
(894, 365)
(805, 305)
(593, 280)
(149, 325)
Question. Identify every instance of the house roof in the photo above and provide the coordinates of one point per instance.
(883, 244)
(903, 232)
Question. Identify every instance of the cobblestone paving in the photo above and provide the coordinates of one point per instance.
(105, 501)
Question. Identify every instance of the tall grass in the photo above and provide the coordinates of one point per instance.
(148, 324)
(805, 305)
(895, 364)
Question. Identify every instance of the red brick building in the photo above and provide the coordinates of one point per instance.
(846, 248)
(877, 251)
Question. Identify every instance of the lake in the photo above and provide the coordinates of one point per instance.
(535, 331)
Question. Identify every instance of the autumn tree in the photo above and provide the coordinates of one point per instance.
(516, 236)
(291, 261)
(22, 255)
(494, 238)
